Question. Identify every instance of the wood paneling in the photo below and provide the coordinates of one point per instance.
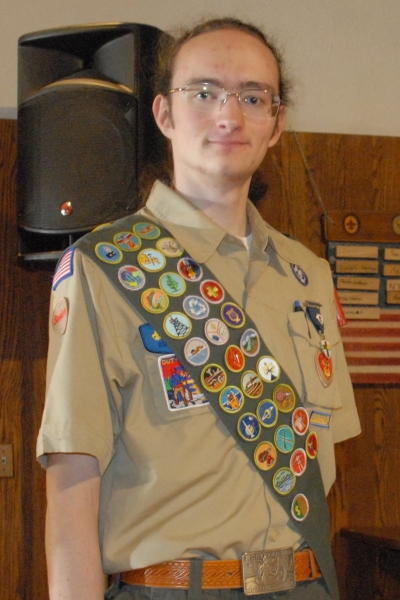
(23, 343)
(351, 172)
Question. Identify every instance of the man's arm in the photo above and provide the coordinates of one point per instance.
(72, 540)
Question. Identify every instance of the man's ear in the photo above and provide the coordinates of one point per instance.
(162, 115)
(279, 126)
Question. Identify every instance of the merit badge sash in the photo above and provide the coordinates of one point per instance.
(219, 345)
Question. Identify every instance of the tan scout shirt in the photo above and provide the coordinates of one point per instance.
(175, 484)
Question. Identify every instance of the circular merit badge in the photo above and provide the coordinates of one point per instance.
(312, 445)
(233, 315)
(284, 481)
(231, 399)
(267, 413)
(268, 369)
(300, 420)
(196, 307)
(59, 317)
(189, 269)
(234, 359)
(108, 253)
(298, 462)
(250, 342)
(131, 277)
(170, 247)
(154, 300)
(284, 397)
(300, 508)
(252, 384)
(324, 367)
(197, 351)
(248, 427)
(216, 332)
(212, 291)
(265, 456)
(147, 231)
(151, 260)
(127, 241)
(172, 283)
(177, 325)
(284, 439)
(213, 378)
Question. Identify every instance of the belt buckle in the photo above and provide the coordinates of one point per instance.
(268, 571)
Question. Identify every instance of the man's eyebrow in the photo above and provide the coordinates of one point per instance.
(246, 84)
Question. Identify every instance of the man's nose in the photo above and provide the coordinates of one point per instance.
(230, 114)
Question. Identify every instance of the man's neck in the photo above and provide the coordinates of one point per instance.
(225, 205)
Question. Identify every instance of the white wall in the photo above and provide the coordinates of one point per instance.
(343, 54)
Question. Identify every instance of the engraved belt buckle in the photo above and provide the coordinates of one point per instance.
(268, 571)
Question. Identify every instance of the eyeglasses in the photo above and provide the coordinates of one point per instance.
(208, 97)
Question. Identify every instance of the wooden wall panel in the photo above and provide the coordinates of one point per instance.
(351, 172)
(23, 343)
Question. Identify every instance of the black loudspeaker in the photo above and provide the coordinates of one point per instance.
(85, 130)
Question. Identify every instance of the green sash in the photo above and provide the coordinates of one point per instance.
(135, 242)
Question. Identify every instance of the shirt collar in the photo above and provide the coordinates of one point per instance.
(200, 235)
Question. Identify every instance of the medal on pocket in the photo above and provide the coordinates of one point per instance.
(323, 356)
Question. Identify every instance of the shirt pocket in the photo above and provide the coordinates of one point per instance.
(307, 344)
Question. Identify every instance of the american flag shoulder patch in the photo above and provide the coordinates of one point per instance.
(65, 267)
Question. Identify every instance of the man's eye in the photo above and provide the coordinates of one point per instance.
(254, 99)
(204, 95)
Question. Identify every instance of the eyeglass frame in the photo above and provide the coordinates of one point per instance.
(237, 94)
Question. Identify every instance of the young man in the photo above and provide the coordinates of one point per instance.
(141, 473)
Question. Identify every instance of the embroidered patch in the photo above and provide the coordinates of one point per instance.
(267, 412)
(300, 507)
(147, 231)
(233, 315)
(231, 399)
(196, 307)
(179, 387)
(298, 462)
(284, 439)
(131, 277)
(250, 342)
(268, 369)
(108, 253)
(65, 267)
(152, 341)
(249, 427)
(320, 419)
(252, 384)
(312, 445)
(265, 456)
(197, 351)
(299, 274)
(151, 260)
(213, 378)
(212, 291)
(127, 241)
(284, 481)
(59, 318)
(170, 247)
(300, 420)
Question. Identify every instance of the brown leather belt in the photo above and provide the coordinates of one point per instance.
(217, 574)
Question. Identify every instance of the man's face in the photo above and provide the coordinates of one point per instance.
(224, 145)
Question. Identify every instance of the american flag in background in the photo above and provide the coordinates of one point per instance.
(372, 348)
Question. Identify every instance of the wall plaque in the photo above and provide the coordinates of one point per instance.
(364, 254)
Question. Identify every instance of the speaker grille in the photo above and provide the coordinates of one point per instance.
(78, 146)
